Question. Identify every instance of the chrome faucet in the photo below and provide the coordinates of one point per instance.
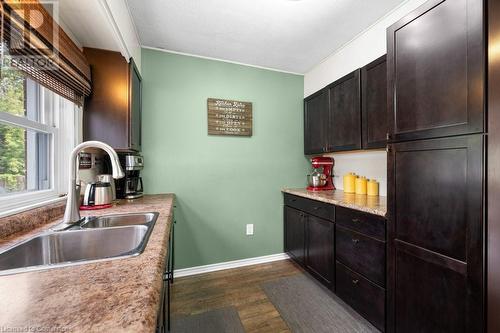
(72, 212)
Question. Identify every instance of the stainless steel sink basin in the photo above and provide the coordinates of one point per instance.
(114, 236)
(119, 220)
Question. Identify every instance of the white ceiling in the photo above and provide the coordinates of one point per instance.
(288, 35)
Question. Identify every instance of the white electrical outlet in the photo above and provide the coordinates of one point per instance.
(249, 229)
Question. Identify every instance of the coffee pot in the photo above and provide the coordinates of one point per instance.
(98, 194)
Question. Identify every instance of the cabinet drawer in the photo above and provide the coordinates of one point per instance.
(313, 207)
(365, 297)
(368, 224)
(362, 254)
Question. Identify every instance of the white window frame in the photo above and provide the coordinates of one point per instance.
(66, 115)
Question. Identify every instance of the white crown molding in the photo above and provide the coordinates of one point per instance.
(116, 31)
(218, 59)
(229, 265)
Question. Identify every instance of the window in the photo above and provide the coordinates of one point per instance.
(38, 130)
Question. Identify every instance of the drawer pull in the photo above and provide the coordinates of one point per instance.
(356, 220)
(355, 241)
(355, 281)
(293, 200)
(317, 208)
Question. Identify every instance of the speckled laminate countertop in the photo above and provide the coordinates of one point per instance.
(373, 205)
(121, 295)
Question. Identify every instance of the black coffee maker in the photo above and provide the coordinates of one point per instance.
(130, 186)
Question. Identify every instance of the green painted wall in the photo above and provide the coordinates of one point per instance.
(222, 183)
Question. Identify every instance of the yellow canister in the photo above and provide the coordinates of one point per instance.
(372, 187)
(361, 185)
(350, 183)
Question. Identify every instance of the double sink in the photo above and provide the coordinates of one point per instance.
(90, 240)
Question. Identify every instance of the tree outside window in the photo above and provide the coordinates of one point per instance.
(12, 138)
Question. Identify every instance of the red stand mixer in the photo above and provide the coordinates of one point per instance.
(321, 180)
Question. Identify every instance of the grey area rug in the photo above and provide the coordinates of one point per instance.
(224, 320)
(307, 306)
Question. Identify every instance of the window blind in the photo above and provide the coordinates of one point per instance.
(38, 46)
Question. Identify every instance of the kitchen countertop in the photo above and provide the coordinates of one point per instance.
(109, 296)
(368, 204)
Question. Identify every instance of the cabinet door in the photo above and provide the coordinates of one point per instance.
(435, 219)
(135, 107)
(345, 114)
(320, 249)
(106, 114)
(431, 293)
(315, 122)
(493, 174)
(295, 234)
(435, 65)
(374, 104)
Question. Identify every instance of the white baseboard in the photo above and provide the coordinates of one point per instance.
(229, 264)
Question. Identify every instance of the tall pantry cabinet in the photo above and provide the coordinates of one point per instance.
(493, 170)
(436, 64)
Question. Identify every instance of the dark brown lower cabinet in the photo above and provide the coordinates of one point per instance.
(364, 296)
(431, 292)
(360, 253)
(163, 321)
(310, 236)
(436, 226)
(320, 247)
(295, 234)
(348, 256)
(363, 254)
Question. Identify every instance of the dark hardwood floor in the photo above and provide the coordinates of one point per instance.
(236, 287)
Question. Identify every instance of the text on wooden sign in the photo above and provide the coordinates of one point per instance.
(226, 117)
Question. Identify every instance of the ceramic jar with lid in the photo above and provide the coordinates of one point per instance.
(372, 187)
(350, 183)
(361, 185)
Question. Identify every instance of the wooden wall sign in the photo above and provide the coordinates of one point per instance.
(226, 117)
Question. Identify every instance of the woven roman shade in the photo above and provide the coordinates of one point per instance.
(38, 46)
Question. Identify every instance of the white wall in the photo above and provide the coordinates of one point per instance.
(364, 48)
(372, 164)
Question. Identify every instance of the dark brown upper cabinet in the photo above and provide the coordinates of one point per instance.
(316, 117)
(348, 114)
(113, 110)
(345, 113)
(435, 61)
(135, 102)
(374, 104)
